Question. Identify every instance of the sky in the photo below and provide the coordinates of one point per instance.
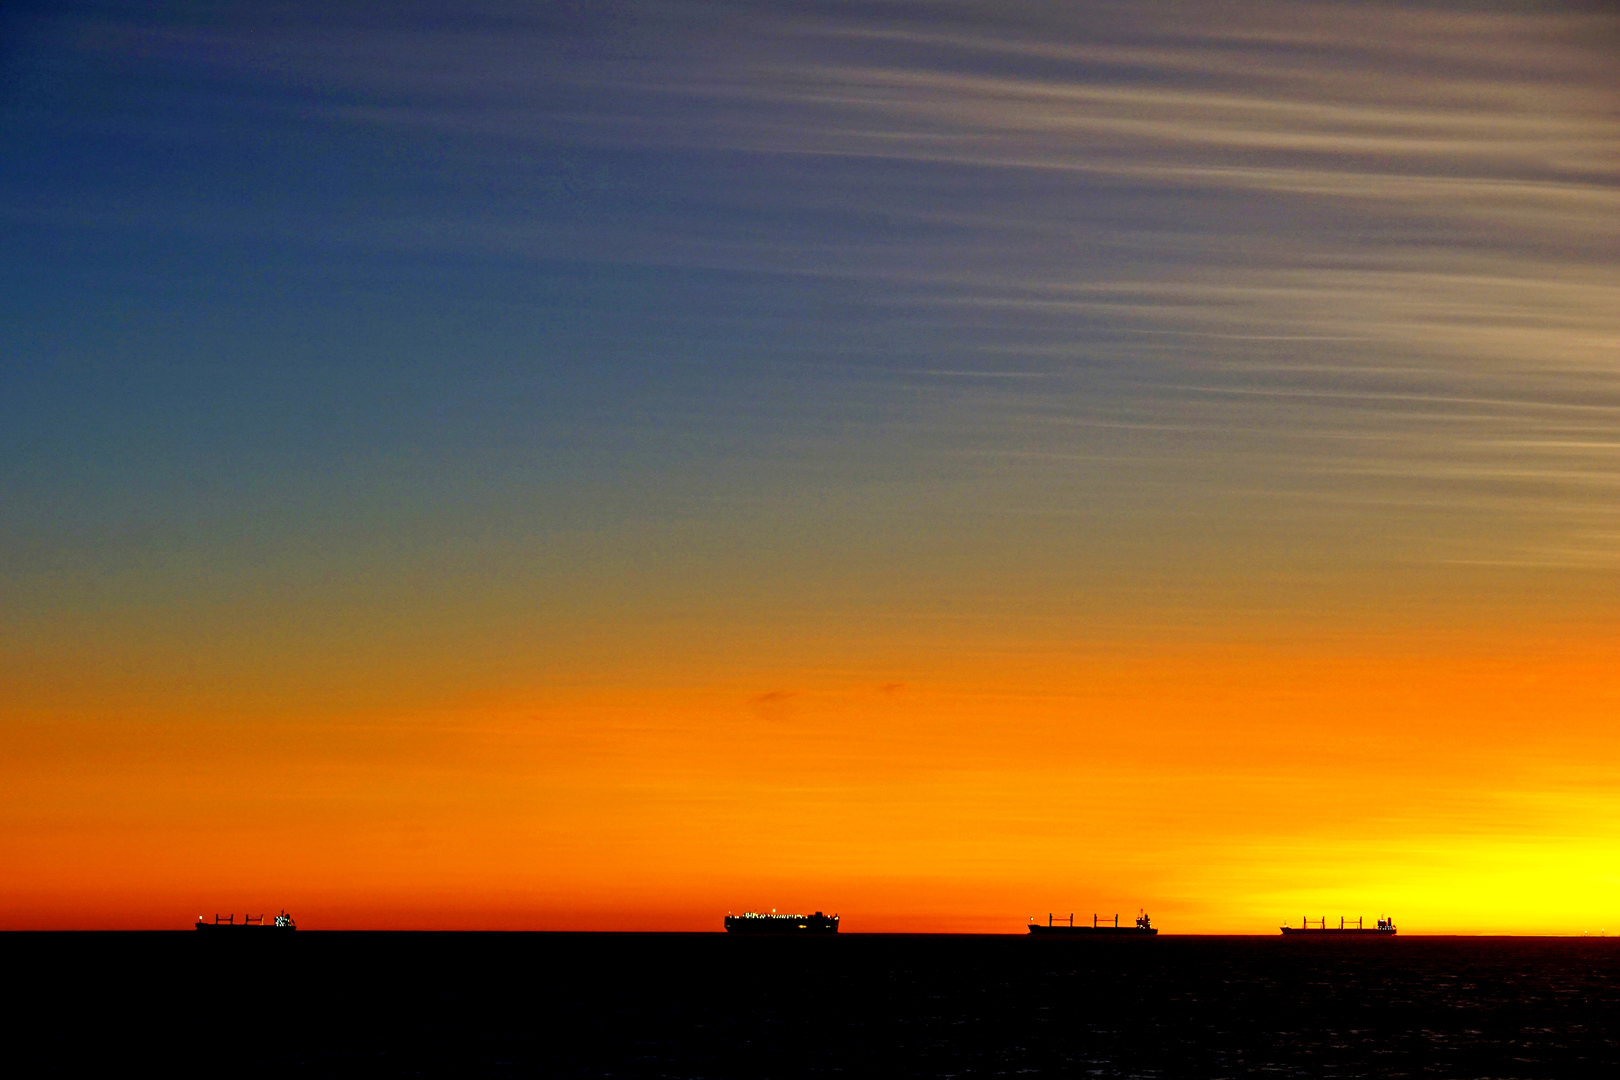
(604, 465)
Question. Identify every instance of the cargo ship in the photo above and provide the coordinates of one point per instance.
(283, 921)
(752, 922)
(1144, 927)
(1385, 928)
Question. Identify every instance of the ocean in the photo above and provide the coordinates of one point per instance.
(709, 1005)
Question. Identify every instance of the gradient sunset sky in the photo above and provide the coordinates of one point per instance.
(603, 465)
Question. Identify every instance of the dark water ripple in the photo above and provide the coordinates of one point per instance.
(645, 1006)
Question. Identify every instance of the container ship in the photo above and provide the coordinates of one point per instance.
(1318, 927)
(1144, 927)
(752, 922)
(283, 921)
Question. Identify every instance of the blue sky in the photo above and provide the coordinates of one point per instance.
(1142, 315)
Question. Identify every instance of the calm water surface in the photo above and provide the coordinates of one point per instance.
(705, 1005)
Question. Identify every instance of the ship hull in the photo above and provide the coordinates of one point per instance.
(1334, 931)
(778, 925)
(242, 926)
(1094, 931)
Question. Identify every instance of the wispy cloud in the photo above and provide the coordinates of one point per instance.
(1365, 218)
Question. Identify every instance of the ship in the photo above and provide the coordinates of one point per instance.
(283, 921)
(752, 922)
(1144, 927)
(1385, 928)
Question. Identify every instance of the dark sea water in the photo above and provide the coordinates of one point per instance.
(708, 1005)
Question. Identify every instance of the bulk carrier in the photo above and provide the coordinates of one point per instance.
(1385, 928)
(1144, 927)
(283, 921)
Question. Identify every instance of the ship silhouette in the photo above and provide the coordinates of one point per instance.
(283, 921)
(752, 922)
(1144, 927)
(1385, 928)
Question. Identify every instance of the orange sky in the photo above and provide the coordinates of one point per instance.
(1459, 786)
